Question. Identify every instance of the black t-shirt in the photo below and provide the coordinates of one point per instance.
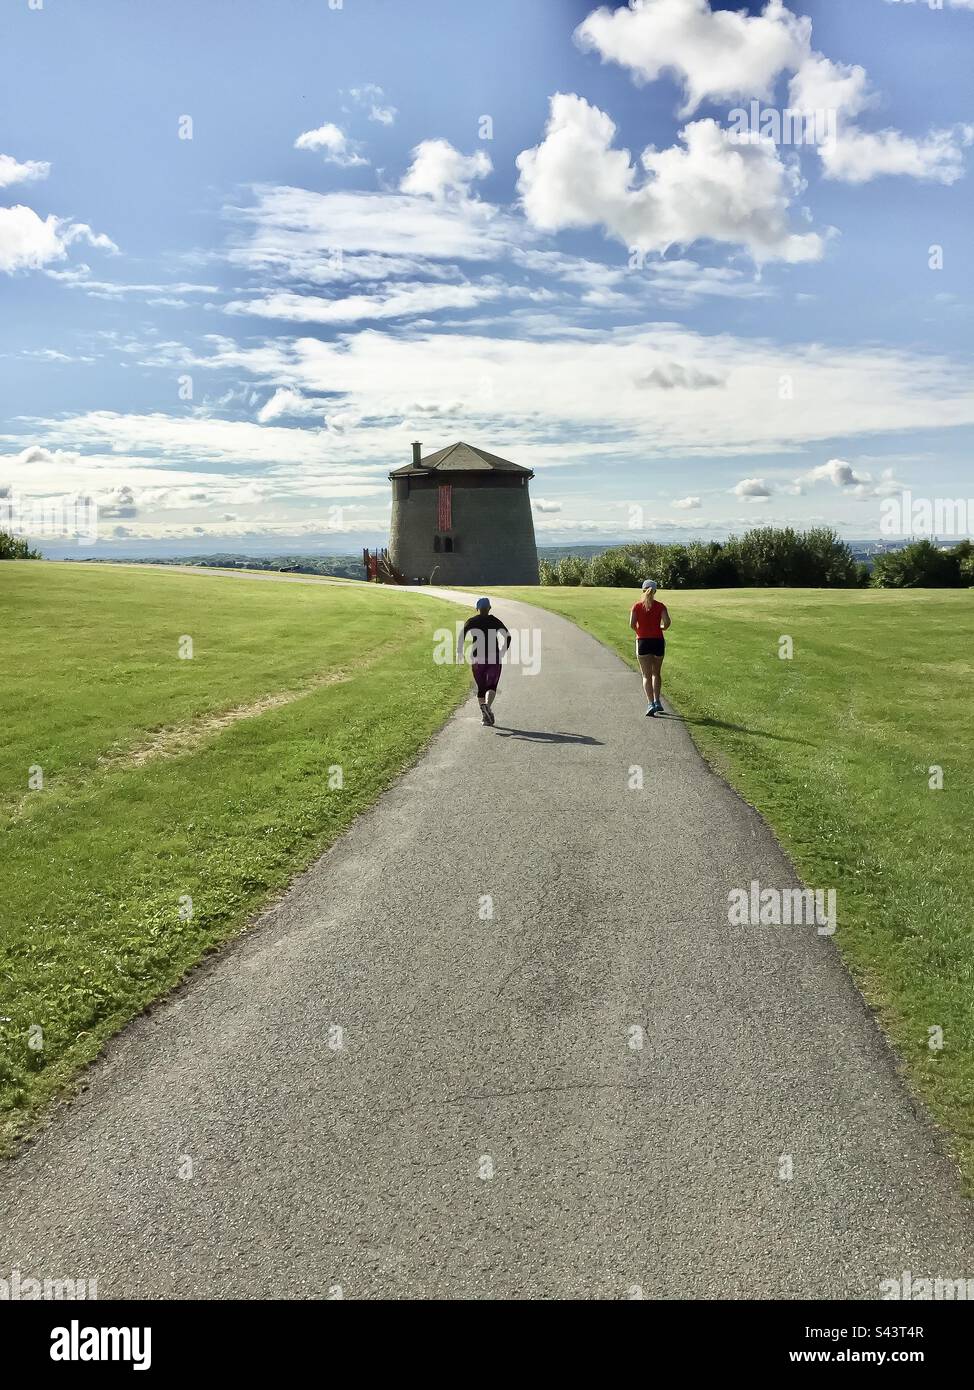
(488, 645)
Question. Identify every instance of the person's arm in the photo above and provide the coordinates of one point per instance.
(461, 642)
(632, 619)
(507, 639)
(664, 621)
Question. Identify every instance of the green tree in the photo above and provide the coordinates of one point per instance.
(571, 570)
(919, 565)
(16, 548)
(613, 569)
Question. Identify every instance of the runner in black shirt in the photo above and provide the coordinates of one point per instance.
(490, 641)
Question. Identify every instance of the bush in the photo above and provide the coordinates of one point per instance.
(763, 557)
(923, 565)
(16, 548)
(571, 570)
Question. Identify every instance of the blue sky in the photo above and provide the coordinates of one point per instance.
(249, 252)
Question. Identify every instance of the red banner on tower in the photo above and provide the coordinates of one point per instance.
(444, 520)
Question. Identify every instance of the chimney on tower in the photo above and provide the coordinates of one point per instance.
(417, 454)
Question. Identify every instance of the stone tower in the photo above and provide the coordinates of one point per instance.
(462, 516)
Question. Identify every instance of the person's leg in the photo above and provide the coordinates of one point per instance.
(654, 677)
(659, 679)
(479, 677)
(492, 680)
(646, 666)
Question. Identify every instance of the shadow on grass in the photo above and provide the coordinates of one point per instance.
(540, 736)
(734, 728)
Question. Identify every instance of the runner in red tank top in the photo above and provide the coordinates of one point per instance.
(649, 619)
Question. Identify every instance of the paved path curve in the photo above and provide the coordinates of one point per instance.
(504, 1046)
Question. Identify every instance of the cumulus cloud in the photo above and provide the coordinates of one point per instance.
(837, 472)
(752, 489)
(540, 505)
(711, 187)
(332, 140)
(440, 171)
(28, 242)
(842, 475)
(716, 54)
(853, 155)
(688, 504)
(857, 156)
(721, 55)
(13, 172)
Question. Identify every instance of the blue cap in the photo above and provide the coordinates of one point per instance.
(483, 603)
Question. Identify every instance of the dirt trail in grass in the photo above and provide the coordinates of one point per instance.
(176, 741)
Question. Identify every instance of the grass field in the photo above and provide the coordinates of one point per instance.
(835, 747)
(167, 779)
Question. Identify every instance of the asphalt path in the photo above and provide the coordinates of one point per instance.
(503, 1041)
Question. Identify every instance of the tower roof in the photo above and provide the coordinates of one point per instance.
(460, 458)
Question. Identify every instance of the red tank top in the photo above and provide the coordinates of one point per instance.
(648, 619)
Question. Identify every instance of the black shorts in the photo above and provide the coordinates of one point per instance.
(651, 646)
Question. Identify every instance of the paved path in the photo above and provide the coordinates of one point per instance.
(503, 1045)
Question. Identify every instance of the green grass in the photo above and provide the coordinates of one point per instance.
(95, 863)
(834, 748)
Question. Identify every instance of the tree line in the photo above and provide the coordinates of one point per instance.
(767, 557)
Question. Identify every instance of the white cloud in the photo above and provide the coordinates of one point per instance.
(110, 289)
(721, 55)
(371, 96)
(837, 472)
(717, 54)
(540, 505)
(688, 504)
(714, 187)
(300, 233)
(337, 147)
(842, 475)
(13, 172)
(439, 170)
(287, 402)
(857, 156)
(568, 396)
(28, 242)
(398, 301)
(753, 489)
